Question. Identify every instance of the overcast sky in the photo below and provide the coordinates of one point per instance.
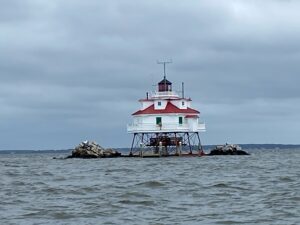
(72, 70)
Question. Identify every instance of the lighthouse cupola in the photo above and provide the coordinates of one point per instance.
(164, 85)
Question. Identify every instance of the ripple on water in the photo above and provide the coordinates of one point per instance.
(151, 184)
(55, 190)
(136, 202)
(260, 189)
(18, 183)
(220, 185)
(116, 170)
(286, 179)
(62, 215)
(134, 195)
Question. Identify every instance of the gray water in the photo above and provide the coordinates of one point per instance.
(263, 188)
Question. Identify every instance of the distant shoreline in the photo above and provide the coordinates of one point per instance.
(124, 150)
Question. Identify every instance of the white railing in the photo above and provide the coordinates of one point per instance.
(145, 127)
(158, 94)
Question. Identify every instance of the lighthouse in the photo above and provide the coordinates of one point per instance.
(166, 124)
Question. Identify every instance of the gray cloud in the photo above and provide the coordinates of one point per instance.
(73, 70)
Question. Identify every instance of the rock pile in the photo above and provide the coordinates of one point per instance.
(88, 149)
(228, 149)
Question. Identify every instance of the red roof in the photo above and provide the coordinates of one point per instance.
(191, 116)
(170, 108)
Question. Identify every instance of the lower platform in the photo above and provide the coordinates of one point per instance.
(166, 144)
(148, 155)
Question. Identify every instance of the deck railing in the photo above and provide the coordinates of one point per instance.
(165, 127)
(157, 94)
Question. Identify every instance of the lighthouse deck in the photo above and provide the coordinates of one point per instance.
(153, 128)
(155, 155)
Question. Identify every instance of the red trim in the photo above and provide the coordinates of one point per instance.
(170, 108)
(191, 116)
(173, 98)
(146, 100)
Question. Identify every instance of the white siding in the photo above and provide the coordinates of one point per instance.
(163, 104)
(189, 104)
(166, 119)
(170, 123)
(192, 123)
(178, 103)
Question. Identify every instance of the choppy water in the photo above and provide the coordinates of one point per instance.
(263, 188)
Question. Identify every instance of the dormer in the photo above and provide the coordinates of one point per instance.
(180, 103)
(160, 104)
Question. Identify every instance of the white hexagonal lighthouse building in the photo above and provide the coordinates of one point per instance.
(166, 124)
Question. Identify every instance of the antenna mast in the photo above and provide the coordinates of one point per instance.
(164, 63)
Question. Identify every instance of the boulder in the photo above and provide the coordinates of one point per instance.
(228, 149)
(89, 149)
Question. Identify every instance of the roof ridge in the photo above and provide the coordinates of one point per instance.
(170, 108)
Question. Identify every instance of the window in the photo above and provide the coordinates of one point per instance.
(158, 120)
(159, 103)
(182, 103)
(180, 120)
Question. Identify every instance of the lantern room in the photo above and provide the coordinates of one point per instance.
(164, 85)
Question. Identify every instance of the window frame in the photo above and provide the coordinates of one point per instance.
(180, 120)
(159, 120)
